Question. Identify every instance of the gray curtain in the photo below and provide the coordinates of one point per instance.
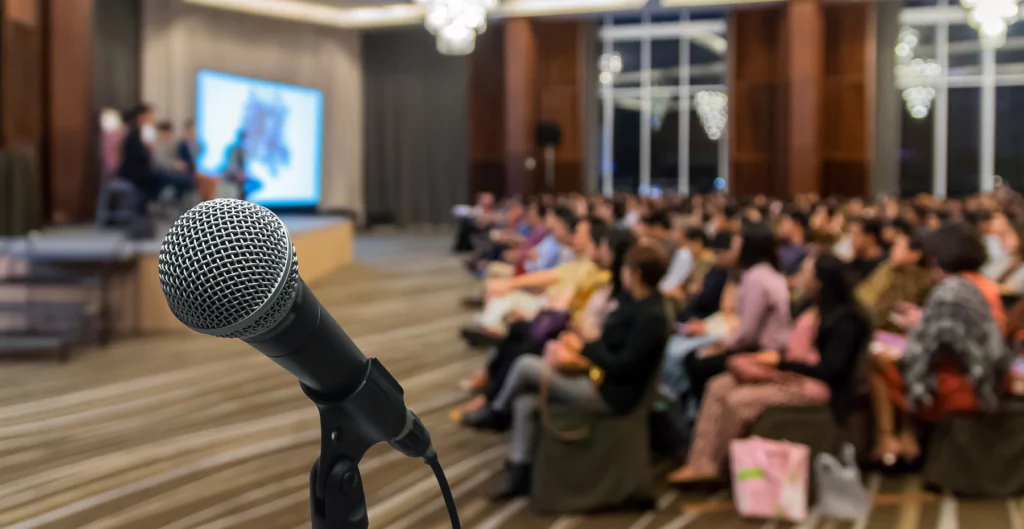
(415, 123)
(117, 53)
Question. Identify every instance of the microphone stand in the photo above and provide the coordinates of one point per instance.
(348, 428)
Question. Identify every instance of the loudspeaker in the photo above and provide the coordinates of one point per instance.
(549, 134)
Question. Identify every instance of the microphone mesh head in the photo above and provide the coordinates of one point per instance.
(227, 268)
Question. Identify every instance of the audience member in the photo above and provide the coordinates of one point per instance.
(955, 352)
(867, 245)
(792, 231)
(623, 358)
(903, 278)
(817, 365)
(691, 249)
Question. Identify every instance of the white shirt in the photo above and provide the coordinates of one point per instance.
(998, 262)
(678, 270)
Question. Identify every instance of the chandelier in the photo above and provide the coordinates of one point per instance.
(713, 110)
(917, 75)
(610, 65)
(991, 18)
(456, 23)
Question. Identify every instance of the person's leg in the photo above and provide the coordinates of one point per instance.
(675, 380)
(702, 370)
(887, 444)
(526, 374)
(524, 422)
(734, 406)
(703, 452)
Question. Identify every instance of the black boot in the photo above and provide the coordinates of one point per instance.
(487, 419)
(518, 484)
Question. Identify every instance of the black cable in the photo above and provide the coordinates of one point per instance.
(446, 491)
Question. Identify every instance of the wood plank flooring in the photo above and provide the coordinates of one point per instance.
(183, 431)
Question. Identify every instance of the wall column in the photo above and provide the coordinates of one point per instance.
(521, 105)
(805, 42)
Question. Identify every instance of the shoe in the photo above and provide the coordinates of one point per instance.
(518, 483)
(487, 419)
(473, 302)
(477, 337)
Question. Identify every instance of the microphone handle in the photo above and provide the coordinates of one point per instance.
(313, 347)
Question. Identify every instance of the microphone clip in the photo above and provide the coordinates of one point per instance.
(349, 426)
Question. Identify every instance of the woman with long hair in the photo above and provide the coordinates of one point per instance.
(818, 365)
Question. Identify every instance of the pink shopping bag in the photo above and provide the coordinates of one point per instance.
(770, 478)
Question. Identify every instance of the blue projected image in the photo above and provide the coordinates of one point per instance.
(271, 132)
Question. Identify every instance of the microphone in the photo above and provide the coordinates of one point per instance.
(228, 269)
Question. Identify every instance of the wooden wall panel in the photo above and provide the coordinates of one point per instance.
(757, 121)
(487, 113)
(805, 43)
(22, 74)
(72, 170)
(849, 99)
(560, 86)
(521, 103)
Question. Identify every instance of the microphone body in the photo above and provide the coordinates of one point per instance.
(228, 268)
(309, 344)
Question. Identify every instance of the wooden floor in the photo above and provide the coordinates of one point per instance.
(184, 431)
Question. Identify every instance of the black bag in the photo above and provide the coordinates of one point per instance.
(670, 429)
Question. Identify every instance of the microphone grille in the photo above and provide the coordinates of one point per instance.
(227, 268)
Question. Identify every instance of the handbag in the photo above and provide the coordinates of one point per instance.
(769, 478)
(841, 493)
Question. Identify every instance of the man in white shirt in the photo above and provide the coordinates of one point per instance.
(682, 261)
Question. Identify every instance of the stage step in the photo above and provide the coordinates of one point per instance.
(16, 344)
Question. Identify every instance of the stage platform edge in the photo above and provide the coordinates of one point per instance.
(321, 250)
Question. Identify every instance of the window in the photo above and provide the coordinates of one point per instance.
(968, 133)
(654, 136)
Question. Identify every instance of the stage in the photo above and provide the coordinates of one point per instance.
(323, 245)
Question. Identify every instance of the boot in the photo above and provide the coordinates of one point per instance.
(518, 484)
(487, 419)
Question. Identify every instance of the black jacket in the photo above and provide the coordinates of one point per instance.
(630, 351)
(136, 163)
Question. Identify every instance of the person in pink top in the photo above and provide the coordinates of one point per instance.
(815, 367)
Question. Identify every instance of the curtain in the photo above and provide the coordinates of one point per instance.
(116, 54)
(179, 39)
(416, 123)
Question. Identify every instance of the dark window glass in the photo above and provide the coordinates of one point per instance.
(964, 107)
(1010, 135)
(665, 142)
(916, 150)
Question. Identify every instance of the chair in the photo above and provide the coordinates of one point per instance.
(813, 426)
(610, 467)
(978, 454)
(117, 202)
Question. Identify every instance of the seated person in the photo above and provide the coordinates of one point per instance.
(623, 356)
(1011, 282)
(955, 353)
(690, 338)
(656, 229)
(475, 224)
(867, 246)
(792, 232)
(902, 278)
(815, 367)
(762, 308)
(522, 339)
(692, 244)
(566, 287)
(168, 168)
(704, 295)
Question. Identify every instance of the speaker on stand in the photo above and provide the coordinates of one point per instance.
(549, 136)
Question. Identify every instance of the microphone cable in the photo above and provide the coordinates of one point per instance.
(446, 491)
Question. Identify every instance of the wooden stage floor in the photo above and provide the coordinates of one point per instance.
(183, 431)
